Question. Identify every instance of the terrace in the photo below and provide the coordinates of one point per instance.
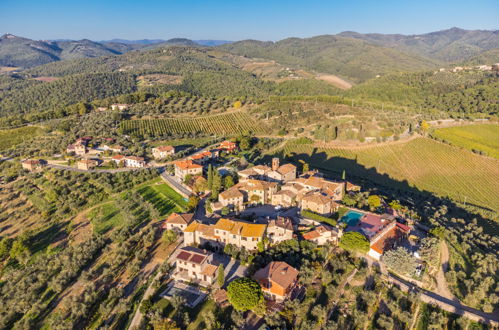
(191, 294)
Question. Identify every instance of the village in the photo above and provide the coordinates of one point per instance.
(263, 207)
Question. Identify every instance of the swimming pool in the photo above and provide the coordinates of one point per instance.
(352, 218)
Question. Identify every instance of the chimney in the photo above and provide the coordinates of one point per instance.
(275, 164)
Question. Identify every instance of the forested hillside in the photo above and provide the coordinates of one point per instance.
(452, 45)
(351, 59)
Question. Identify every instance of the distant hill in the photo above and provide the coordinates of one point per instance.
(452, 45)
(212, 43)
(351, 59)
(26, 53)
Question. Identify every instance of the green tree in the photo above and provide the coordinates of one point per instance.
(169, 236)
(146, 306)
(228, 181)
(5, 245)
(400, 260)
(216, 185)
(19, 250)
(305, 168)
(210, 177)
(355, 242)
(221, 276)
(374, 201)
(192, 203)
(245, 143)
(395, 205)
(244, 293)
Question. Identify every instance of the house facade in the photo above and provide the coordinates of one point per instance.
(86, 164)
(279, 230)
(225, 231)
(195, 265)
(163, 152)
(323, 234)
(33, 164)
(277, 279)
(178, 221)
(187, 167)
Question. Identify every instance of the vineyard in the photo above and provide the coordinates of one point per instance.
(223, 124)
(182, 105)
(424, 163)
(482, 138)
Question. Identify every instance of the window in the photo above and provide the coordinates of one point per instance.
(233, 236)
(243, 238)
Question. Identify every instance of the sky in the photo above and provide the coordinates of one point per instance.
(237, 19)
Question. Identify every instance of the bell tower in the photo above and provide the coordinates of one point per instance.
(275, 164)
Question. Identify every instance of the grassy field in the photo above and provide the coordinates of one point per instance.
(223, 124)
(164, 198)
(424, 163)
(484, 137)
(105, 217)
(11, 137)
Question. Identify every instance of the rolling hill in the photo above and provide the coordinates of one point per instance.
(351, 59)
(452, 45)
(26, 53)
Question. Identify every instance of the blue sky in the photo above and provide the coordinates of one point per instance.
(236, 20)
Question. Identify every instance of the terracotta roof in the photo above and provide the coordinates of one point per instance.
(286, 168)
(288, 193)
(278, 272)
(317, 198)
(311, 235)
(220, 296)
(182, 218)
(187, 164)
(209, 270)
(31, 161)
(231, 193)
(118, 157)
(282, 222)
(139, 159)
(248, 172)
(388, 238)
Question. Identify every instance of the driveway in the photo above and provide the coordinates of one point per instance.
(233, 269)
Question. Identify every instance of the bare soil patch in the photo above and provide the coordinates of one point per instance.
(334, 80)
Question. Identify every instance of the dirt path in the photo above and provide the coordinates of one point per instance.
(442, 287)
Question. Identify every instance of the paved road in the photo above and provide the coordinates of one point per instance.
(116, 170)
(182, 189)
(446, 304)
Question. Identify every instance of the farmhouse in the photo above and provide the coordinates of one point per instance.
(228, 146)
(202, 157)
(79, 149)
(33, 164)
(195, 265)
(187, 167)
(252, 191)
(280, 230)
(322, 235)
(277, 279)
(129, 161)
(225, 231)
(178, 221)
(163, 152)
(119, 106)
(86, 164)
(318, 203)
(387, 239)
(277, 172)
(114, 148)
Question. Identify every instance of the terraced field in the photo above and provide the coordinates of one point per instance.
(484, 137)
(223, 124)
(11, 137)
(424, 163)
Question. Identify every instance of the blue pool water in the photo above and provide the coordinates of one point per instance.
(352, 218)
